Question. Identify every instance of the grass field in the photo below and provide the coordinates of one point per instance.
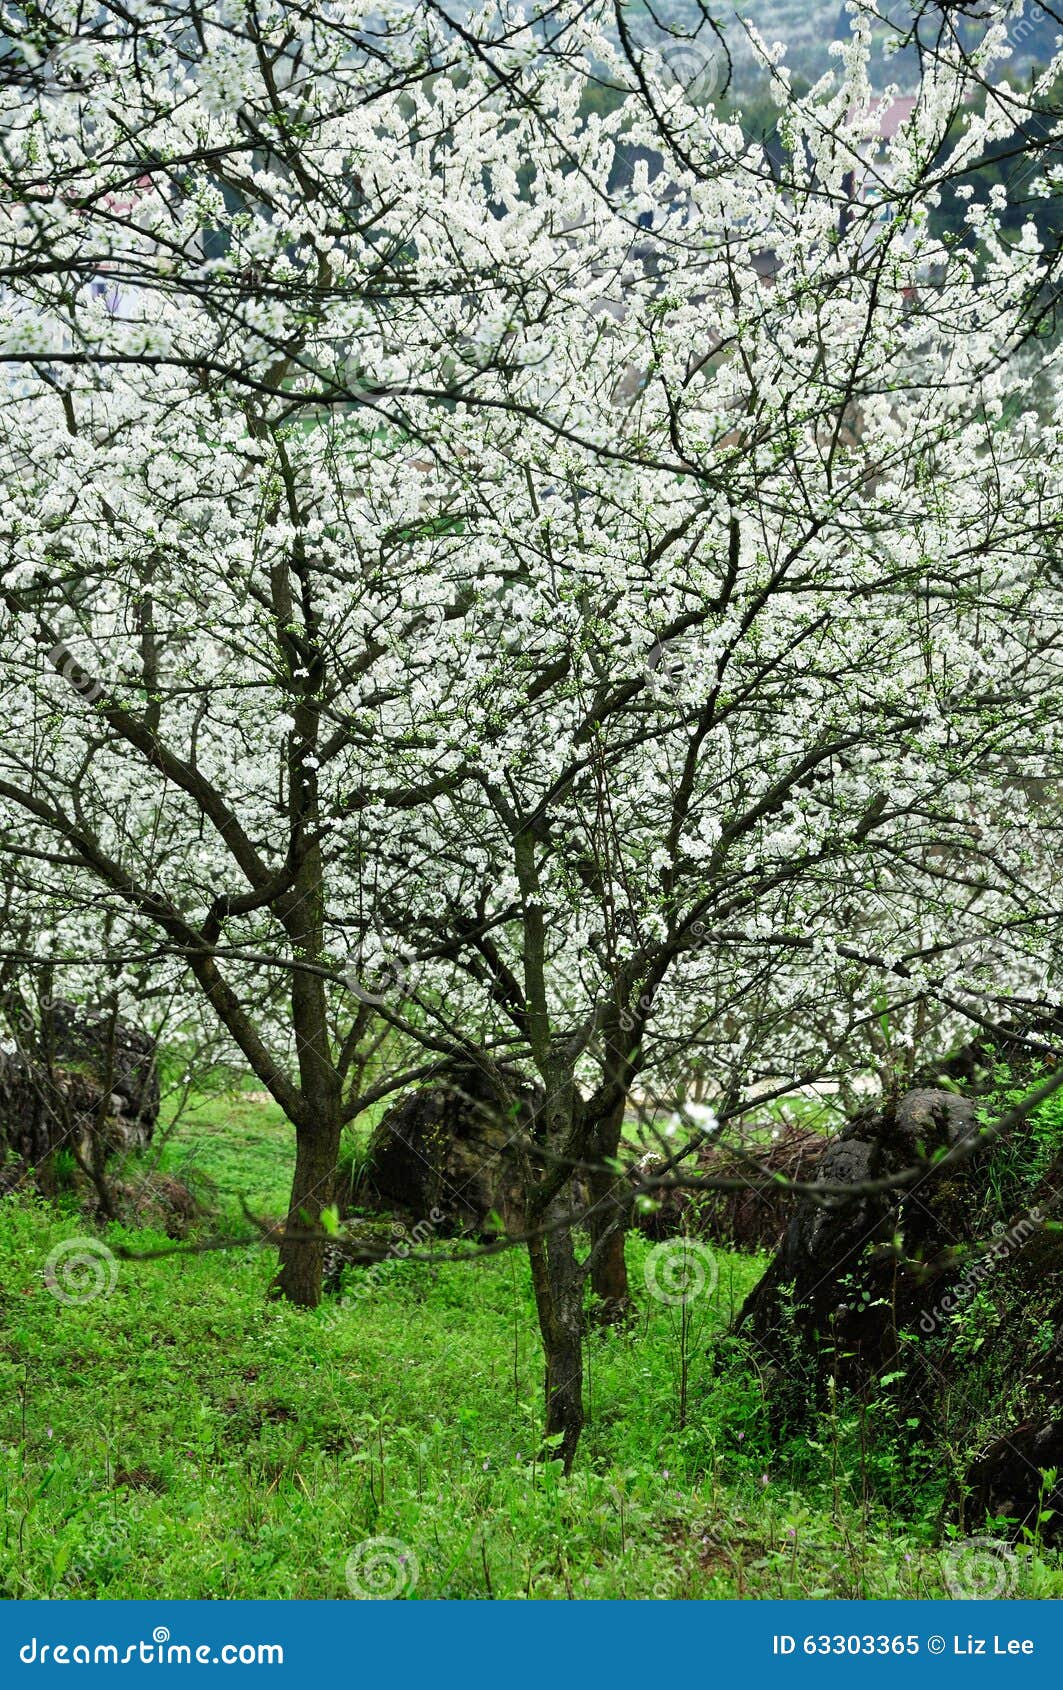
(181, 1436)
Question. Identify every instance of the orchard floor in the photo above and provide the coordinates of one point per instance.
(181, 1436)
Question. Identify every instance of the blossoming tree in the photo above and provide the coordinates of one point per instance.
(558, 587)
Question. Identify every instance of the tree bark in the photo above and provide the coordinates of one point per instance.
(558, 1283)
(302, 1248)
(608, 1222)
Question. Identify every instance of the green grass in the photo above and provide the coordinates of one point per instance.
(182, 1436)
(237, 1147)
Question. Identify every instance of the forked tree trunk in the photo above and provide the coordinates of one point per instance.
(558, 1283)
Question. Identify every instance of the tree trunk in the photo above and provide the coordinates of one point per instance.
(608, 1222)
(558, 1284)
(302, 1248)
(302, 910)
